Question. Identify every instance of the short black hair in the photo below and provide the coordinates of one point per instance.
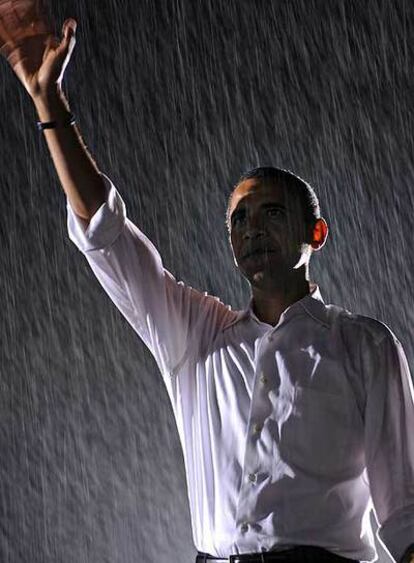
(305, 192)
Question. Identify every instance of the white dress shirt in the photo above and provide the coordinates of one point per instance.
(287, 432)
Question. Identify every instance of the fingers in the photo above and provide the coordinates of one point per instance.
(5, 36)
(27, 12)
(20, 19)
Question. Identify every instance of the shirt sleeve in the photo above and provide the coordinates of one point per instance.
(171, 318)
(389, 441)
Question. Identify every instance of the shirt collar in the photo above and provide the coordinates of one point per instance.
(313, 304)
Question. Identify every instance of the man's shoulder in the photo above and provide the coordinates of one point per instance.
(358, 325)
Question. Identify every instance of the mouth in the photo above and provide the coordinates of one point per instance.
(258, 252)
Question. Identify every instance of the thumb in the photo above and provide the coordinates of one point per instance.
(69, 30)
(69, 26)
(65, 49)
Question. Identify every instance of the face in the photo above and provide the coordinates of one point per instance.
(268, 234)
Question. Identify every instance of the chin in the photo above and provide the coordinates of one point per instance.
(268, 279)
(266, 284)
(262, 280)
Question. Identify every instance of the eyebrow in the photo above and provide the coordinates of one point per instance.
(273, 204)
(242, 208)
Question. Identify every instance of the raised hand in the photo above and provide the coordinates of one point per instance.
(28, 43)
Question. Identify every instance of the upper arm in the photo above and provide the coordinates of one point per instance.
(389, 438)
(169, 316)
(389, 422)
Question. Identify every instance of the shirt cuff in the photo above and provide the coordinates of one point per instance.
(105, 225)
(397, 533)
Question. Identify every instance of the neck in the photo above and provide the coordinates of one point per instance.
(268, 305)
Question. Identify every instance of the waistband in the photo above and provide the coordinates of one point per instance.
(298, 554)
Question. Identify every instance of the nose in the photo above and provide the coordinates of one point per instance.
(254, 229)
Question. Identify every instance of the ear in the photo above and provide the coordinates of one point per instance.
(319, 234)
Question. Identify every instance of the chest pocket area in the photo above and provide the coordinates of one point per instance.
(320, 435)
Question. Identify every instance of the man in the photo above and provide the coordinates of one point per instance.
(292, 414)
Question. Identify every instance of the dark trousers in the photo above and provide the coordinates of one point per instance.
(299, 554)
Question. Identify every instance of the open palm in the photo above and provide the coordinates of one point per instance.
(28, 43)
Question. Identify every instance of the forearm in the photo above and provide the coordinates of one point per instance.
(76, 169)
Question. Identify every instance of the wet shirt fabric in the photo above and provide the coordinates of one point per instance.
(289, 433)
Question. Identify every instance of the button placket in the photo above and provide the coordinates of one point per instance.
(263, 377)
(256, 425)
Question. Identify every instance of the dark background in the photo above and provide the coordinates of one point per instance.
(175, 98)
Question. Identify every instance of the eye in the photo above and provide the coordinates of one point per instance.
(238, 219)
(275, 212)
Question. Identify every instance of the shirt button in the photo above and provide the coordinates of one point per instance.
(252, 477)
(257, 428)
(263, 379)
(244, 527)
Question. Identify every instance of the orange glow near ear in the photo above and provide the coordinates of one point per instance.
(320, 232)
